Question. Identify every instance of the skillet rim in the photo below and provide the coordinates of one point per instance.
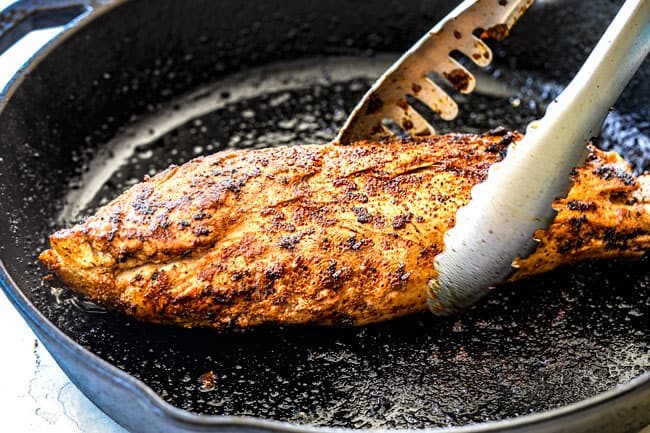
(108, 373)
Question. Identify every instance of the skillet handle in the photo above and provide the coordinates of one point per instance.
(23, 16)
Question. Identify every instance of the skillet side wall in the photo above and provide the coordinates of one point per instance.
(145, 52)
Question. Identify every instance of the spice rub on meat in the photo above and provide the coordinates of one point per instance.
(328, 234)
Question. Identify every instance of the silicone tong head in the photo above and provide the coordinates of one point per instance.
(498, 224)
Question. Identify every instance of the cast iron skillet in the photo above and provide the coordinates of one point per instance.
(131, 86)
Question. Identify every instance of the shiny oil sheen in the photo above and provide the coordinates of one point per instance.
(529, 347)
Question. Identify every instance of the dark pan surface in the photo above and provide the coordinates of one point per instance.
(530, 347)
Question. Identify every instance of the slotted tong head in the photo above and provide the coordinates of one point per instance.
(505, 211)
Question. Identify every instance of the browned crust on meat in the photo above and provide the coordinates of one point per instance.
(309, 234)
(605, 215)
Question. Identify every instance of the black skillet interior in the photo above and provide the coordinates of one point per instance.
(530, 347)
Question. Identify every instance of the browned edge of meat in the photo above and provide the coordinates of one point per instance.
(332, 235)
(606, 214)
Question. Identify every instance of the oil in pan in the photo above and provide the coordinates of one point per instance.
(530, 347)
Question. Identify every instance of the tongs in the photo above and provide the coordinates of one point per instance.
(412, 77)
(497, 226)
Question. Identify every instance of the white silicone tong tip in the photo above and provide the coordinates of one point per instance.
(498, 224)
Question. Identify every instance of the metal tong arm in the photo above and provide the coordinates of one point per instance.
(386, 99)
(498, 224)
